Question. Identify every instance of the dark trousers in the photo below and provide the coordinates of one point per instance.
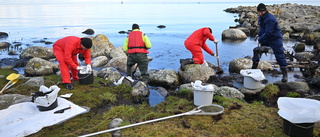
(278, 51)
(142, 60)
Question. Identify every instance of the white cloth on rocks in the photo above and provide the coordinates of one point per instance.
(25, 118)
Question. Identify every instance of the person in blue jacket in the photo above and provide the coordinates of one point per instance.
(270, 35)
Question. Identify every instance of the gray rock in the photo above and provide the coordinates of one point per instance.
(120, 63)
(99, 61)
(110, 73)
(37, 51)
(101, 46)
(140, 89)
(236, 65)
(4, 45)
(88, 31)
(165, 78)
(293, 86)
(195, 72)
(7, 100)
(40, 67)
(229, 92)
(299, 47)
(234, 34)
(114, 124)
(34, 82)
(304, 56)
(117, 52)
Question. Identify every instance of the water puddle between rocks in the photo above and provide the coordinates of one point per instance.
(155, 97)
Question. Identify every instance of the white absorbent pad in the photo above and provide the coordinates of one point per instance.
(299, 110)
(25, 118)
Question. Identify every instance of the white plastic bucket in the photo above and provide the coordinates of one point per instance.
(250, 83)
(201, 97)
(252, 78)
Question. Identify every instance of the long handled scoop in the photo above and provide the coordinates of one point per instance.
(13, 78)
(219, 70)
(201, 110)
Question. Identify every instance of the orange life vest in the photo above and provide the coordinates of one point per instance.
(136, 43)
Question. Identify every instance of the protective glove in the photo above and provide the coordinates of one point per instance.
(216, 41)
(80, 67)
(215, 56)
(256, 37)
(89, 68)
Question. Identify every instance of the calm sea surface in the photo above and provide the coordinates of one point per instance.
(27, 23)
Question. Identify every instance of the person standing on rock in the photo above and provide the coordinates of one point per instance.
(270, 35)
(137, 45)
(195, 43)
(66, 50)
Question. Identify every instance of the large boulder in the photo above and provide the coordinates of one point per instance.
(229, 92)
(117, 52)
(120, 63)
(234, 34)
(236, 65)
(165, 78)
(40, 67)
(99, 61)
(294, 86)
(37, 51)
(101, 46)
(195, 72)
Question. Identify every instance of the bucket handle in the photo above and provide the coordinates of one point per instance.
(303, 126)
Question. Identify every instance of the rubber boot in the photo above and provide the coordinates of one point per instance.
(255, 65)
(284, 74)
(69, 86)
(184, 62)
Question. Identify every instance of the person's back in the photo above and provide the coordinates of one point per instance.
(199, 37)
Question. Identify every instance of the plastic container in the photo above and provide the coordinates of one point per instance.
(250, 83)
(298, 129)
(252, 78)
(201, 97)
(52, 106)
(85, 78)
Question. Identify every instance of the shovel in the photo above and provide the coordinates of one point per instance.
(13, 77)
(219, 70)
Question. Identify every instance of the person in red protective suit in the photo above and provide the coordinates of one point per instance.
(195, 43)
(66, 50)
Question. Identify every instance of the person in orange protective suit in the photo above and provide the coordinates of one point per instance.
(66, 50)
(195, 43)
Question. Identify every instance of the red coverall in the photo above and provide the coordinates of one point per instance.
(196, 42)
(66, 50)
